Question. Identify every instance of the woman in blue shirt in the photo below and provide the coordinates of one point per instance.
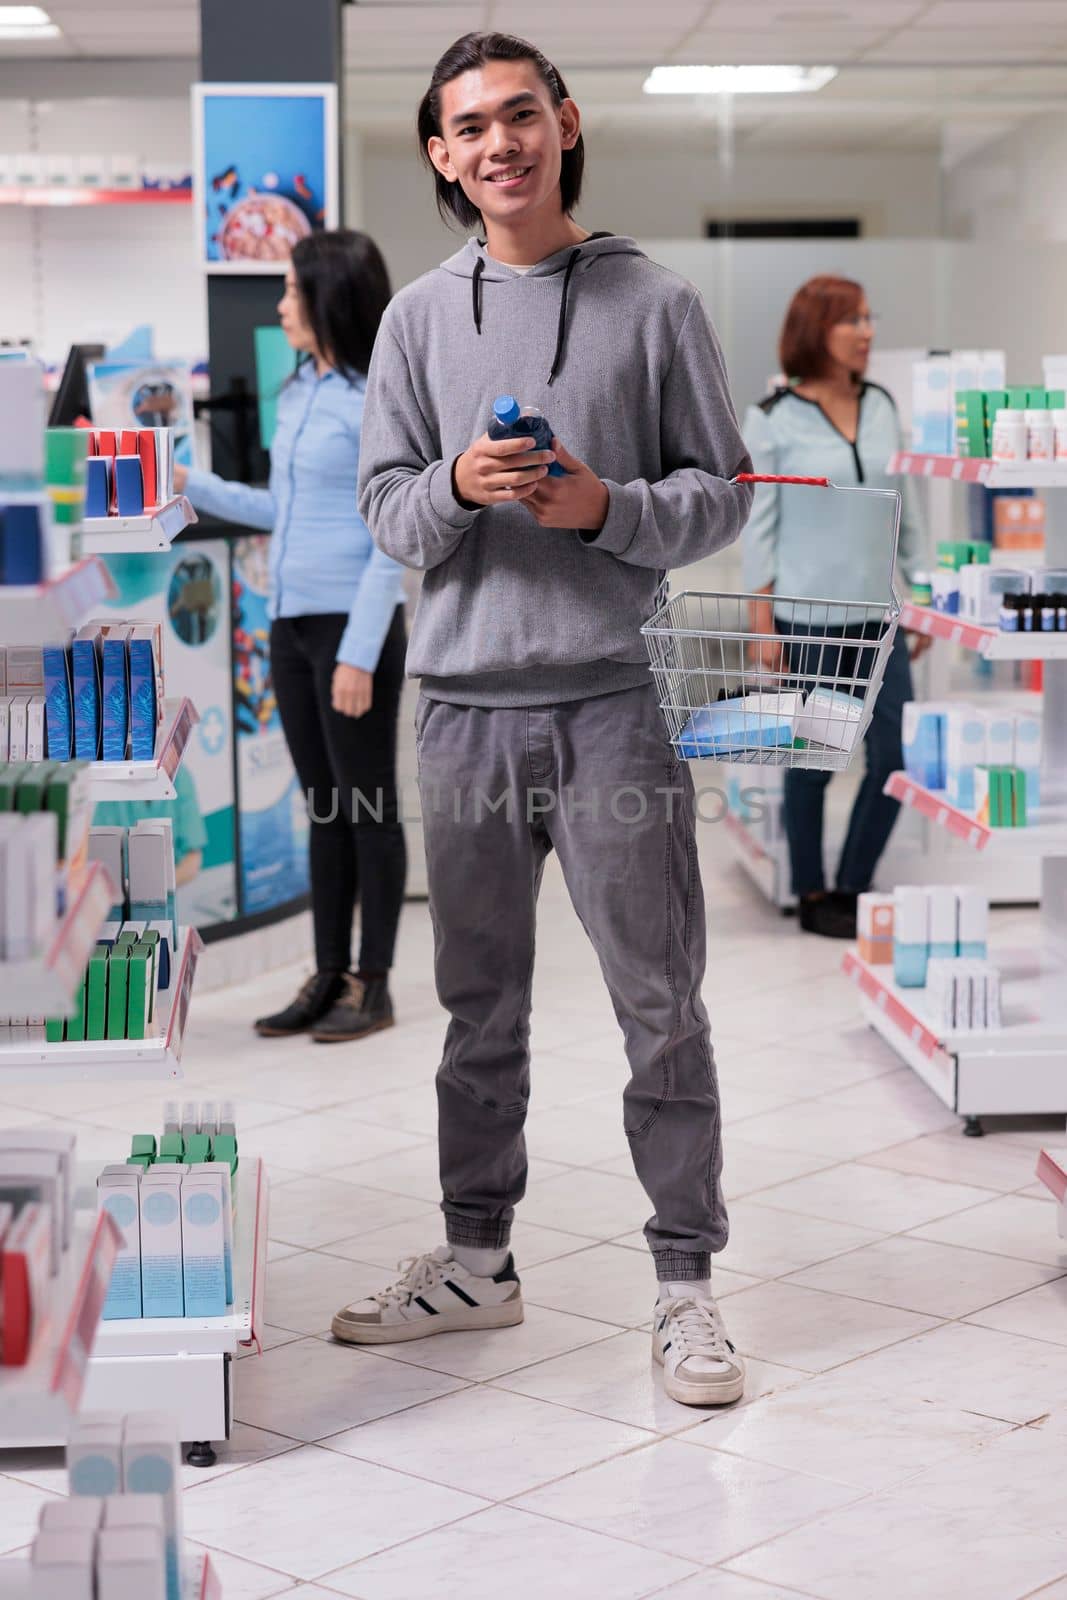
(337, 638)
(829, 422)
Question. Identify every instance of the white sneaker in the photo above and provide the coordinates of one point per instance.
(700, 1365)
(434, 1294)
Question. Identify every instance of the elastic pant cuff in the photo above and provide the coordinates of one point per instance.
(682, 1266)
(479, 1233)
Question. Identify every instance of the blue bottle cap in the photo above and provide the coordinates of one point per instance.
(506, 409)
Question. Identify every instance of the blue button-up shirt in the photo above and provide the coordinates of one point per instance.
(322, 556)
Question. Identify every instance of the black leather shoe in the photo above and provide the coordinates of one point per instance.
(316, 997)
(825, 915)
(363, 1006)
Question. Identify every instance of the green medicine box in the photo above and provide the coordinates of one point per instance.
(11, 774)
(143, 1144)
(171, 1147)
(117, 989)
(144, 1162)
(53, 1030)
(197, 1148)
(96, 995)
(224, 1148)
(29, 796)
(1018, 816)
(139, 996)
(76, 1020)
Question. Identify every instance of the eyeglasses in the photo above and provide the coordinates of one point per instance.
(869, 321)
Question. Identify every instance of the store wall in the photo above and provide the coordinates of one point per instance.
(1014, 188)
(667, 191)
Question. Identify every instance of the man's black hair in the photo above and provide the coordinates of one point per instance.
(466, 55)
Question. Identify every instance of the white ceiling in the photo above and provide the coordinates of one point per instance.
(914, 73)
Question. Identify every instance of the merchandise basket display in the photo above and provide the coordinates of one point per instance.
(777, 679)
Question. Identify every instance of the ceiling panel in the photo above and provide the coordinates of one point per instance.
(764, 14)
(991, 14)
(992, 45)
(808, 46)
(362, 22)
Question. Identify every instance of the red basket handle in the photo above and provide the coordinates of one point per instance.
(769, 477)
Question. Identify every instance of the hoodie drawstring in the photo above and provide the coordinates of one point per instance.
(561, 331)
(476, 292)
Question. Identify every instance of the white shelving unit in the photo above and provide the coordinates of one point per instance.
(39, 1400)
(1020, 1068)
(118, 536)
(32, 1060)
(977, 469)
(45, 987)
(201, 1581)
(187, 1359)
(149, 780)
(44, 612)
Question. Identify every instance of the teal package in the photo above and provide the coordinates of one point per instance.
(115, 696)
(162, 1288)
(909, 965)
(143, 711)
(85, 668)
(58, 702)
(940, 951)
(975, 950)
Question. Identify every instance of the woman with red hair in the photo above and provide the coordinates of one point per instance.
(828, 421)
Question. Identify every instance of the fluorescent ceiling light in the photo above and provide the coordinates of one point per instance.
(26, 22)
(737, 80)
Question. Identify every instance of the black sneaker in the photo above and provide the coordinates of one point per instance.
(316, 997)
(825, 915)
(363, 1006)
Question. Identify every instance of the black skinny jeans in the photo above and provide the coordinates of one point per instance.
(347, 770)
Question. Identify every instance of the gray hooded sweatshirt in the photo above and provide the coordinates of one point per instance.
(621, 357)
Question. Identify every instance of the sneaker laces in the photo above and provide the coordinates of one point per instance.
(697, 1330)
(417, 1274)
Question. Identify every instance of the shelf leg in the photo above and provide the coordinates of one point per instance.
(972, 1128)
(201, 1454)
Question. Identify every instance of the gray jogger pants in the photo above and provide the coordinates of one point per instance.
(597, 781)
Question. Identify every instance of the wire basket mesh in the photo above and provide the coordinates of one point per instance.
(795, 688)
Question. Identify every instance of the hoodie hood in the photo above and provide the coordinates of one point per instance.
(475, 263)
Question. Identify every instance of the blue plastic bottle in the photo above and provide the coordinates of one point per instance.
(509, 422)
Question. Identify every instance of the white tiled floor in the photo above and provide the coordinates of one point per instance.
(898, 1289)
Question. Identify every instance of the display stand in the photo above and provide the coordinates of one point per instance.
(45, 987)
(115, 536)
(1020, 1068)
(39, 1401)
(149, 780)
(190, 1359)
(1052, 1172)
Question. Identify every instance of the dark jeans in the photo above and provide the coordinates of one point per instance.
(873, 813)
(353, 853)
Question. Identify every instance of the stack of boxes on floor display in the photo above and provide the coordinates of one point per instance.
(935, 938)
(173, 1202)
(119, 1535)
(128, 473)
(42, 480)
(36, 1228)
(131, 962)
(986, 760)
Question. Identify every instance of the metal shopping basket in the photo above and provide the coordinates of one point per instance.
(794, 686)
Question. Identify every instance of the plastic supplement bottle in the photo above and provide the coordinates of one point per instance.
(1040, 437)
(511, 422)
(1009, 435)
(1059, 428)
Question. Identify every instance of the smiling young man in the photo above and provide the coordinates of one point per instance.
(538, 728)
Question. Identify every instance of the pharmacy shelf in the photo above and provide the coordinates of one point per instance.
(200, 1582)
(191, 1360)
(1014, 1070)
(45, 987)
(988, 642)
(77, 195)
(119, 536)
(149, 780)
(46, 612)
(767, 867)
(976, 469)
(1045, 835)
(37, 1401)
(32, 1060)
(210, 1336)
(1052, 1172)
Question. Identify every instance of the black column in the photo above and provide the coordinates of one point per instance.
(259, 41)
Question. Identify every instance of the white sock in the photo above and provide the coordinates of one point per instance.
(483, 1263)
(695, 1288)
